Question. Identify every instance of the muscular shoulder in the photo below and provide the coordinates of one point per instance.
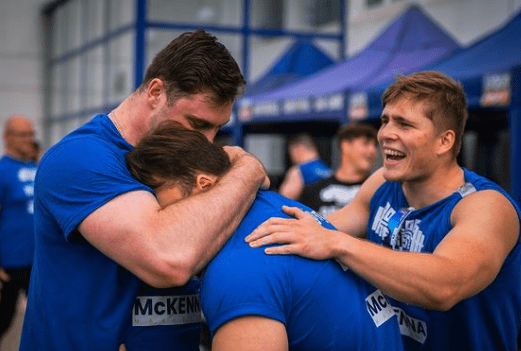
(486, 203)
(489, 218)
(80, 155)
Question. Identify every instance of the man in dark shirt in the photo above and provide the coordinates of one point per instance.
(358, 154)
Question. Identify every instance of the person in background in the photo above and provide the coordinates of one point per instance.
(358, 149)
(101, 234)
(253, 301)
(307, 167)
(17, 173)
(442, 241)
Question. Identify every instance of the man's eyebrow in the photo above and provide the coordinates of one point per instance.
(395, 116)
(200, 123)
(401, 119)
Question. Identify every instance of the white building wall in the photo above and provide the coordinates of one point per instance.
(465, 20)
(21, 46)
(20, 61)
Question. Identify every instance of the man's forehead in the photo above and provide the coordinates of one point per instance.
(404, 103)
(20, 124)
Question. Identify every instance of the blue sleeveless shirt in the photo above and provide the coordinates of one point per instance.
(489, 320)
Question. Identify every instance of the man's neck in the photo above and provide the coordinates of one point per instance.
(438, 186)
(129, 119)
(17, 156)
(305, 155)
(350, 175)
(307, 160)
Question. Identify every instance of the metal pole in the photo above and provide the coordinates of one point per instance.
(344, 13)
(514, 118)
(141, 18)
(47, 49)
(237, 131)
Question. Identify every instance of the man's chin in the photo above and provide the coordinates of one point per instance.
(391, 175)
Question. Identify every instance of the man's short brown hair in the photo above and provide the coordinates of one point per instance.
(174, 154)
(193, 63)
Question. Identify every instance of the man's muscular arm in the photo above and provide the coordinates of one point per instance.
(466, 261)
(165, 247)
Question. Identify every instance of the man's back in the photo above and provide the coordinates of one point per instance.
(322, 306)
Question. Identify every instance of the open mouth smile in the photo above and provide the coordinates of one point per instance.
(393, 155)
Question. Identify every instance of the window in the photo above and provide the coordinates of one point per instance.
(323, 12)
(267, 14)
(374, 3)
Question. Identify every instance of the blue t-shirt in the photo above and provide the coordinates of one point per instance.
(16, 212)
(79, 299)
(322, 306)
(166, 319)
(314, 171)
(487, 321)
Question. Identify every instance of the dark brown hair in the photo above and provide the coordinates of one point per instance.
(445, 98)
(195, 62)
(357, 130)
(304, 139)
(173, 154)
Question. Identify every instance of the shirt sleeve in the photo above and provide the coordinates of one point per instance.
(244, 284)
(79, 176)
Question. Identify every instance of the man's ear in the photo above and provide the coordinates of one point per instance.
(155, 92)
(205, 182)
(344, 146)
(447, 139)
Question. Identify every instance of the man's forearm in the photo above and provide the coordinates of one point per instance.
(230, 200)
(166, 246)
(421, 279)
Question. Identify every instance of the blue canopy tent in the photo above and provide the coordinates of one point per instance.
(490, 71)
(302, 59)
(494, 54)
(497, 53)
(411, 41)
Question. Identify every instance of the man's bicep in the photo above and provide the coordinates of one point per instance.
(251, 333)
(486, 228)
(119, 227)
(351, 219)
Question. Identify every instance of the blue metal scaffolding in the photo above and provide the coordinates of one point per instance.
(139, 27)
